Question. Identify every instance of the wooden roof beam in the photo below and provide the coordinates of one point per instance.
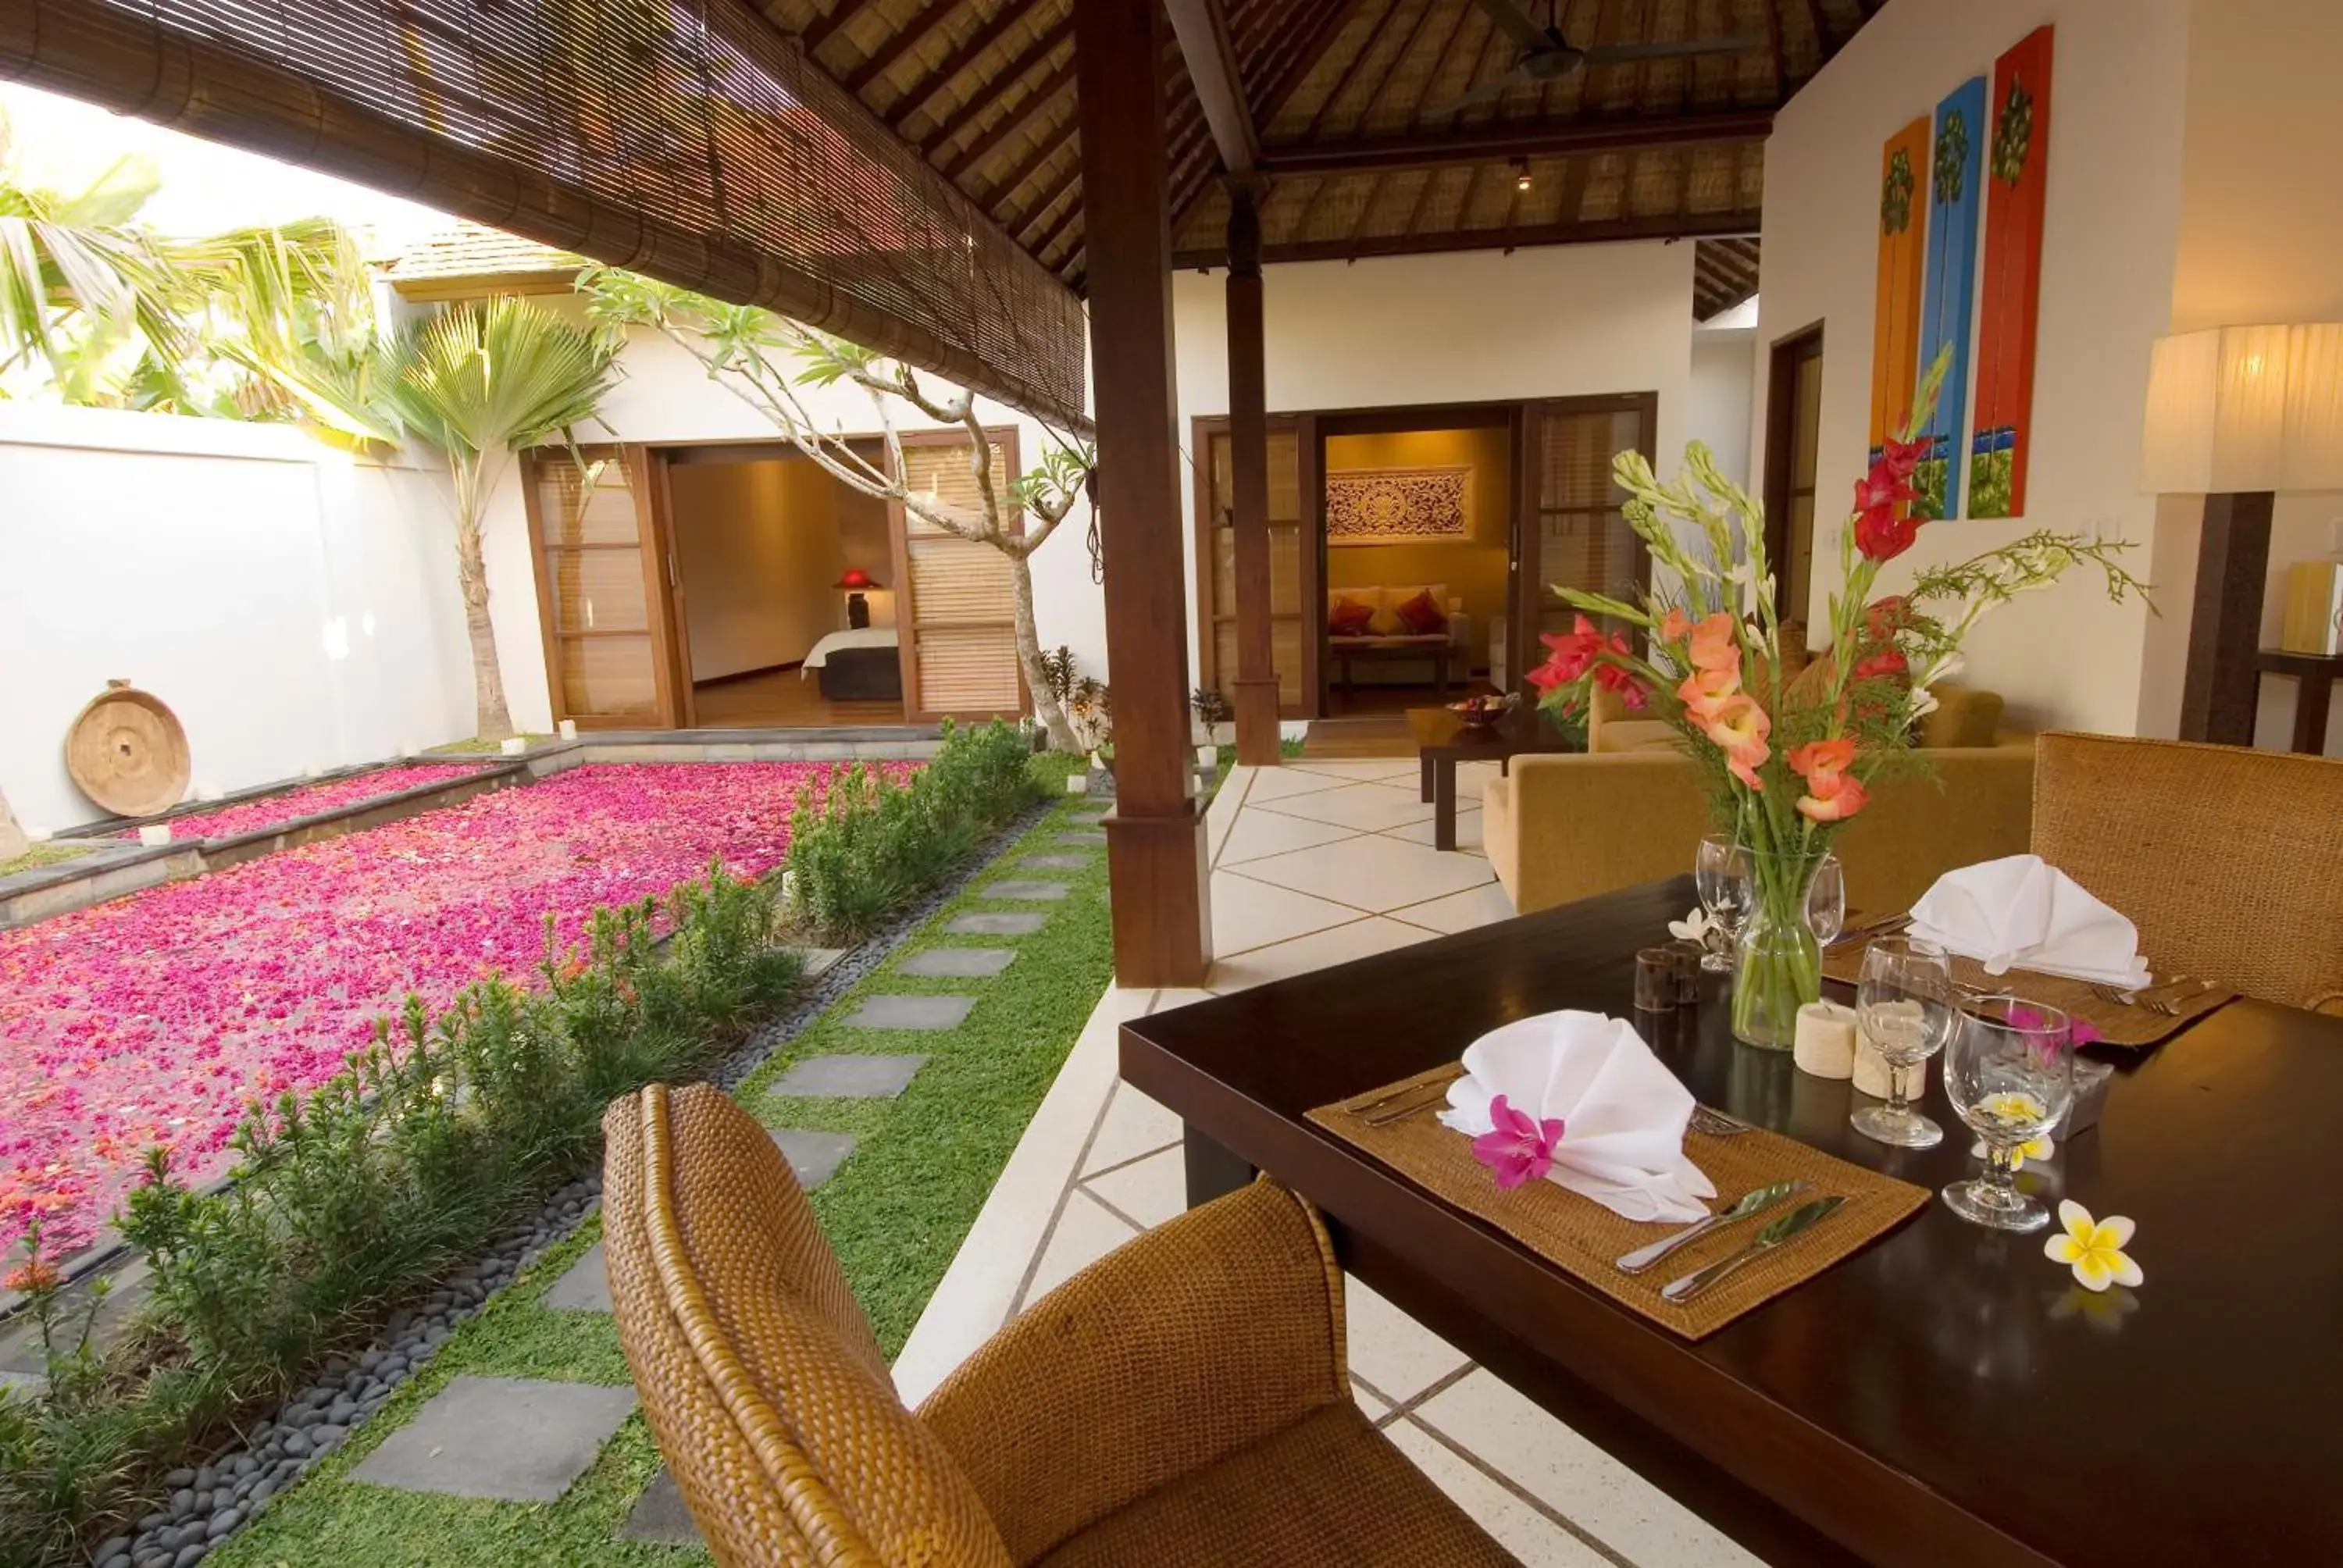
(906, 38)
(1310, 41)
(972, 49)
(1202, 29)
(1034, 105)
(822, 29)
(1036, 51)
(1664, 226)
(1501, 140)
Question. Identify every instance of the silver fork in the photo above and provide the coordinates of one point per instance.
(2143, 998)
(1715, 1124)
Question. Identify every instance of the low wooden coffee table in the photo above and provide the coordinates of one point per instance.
(1443, 741)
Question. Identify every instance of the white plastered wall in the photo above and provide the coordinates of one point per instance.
(294, 606)
(2065, 657)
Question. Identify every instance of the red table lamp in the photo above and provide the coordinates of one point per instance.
(858, 608)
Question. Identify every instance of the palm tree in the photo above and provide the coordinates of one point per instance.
(78, 278)
(475, 382)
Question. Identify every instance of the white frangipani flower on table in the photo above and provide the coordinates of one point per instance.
(2035, 1148)
(2093, 1249)
(1694, 928)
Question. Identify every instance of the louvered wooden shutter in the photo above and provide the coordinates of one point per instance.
(1289, 621)
(1583, 539)
(600, 638)
(961, 617)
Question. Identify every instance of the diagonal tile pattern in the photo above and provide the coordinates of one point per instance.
(1317, 864)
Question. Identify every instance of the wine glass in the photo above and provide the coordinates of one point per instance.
(1904, 1006)
(2010, 1072)
(1721, 875)
(1826, 901)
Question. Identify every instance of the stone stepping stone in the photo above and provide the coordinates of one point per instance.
(1057, 862)
(511, 1439)
(660, 1515)
(847, 1077)
(1027, 892)
(919, 1012)
(996, 923)
(959, 963)
(813, 1157)
(1082, 840)
(584, 1288)
(820, 960)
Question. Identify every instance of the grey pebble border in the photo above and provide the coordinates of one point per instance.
(209, 1503)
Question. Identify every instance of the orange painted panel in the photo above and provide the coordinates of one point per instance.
(1903, 267)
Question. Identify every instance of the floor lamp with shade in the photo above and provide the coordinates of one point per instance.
(2238, 415)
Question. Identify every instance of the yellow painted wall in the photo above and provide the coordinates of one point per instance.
(1475, 570)
(760, 548)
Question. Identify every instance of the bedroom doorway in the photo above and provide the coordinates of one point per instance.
(775, 562)
(738, 585)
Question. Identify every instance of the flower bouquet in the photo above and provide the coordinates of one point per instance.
(1787, 761)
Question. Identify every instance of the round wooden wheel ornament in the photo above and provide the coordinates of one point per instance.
(126, 752)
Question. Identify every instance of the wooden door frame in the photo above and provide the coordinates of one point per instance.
(907, 612)
(1787, 354)
(1202, 428)
(652, 543)
(1522, 621)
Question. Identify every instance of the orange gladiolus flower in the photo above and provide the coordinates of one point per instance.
(1739, 727)
(1675, 626)
(1833, 794)
(1714, 646)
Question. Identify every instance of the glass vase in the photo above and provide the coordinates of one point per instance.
(1777, 964)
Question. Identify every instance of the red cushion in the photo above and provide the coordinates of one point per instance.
(1349, 618)
(1422, 617)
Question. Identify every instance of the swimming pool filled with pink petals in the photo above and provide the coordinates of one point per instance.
(310, 799)
(155, 1018)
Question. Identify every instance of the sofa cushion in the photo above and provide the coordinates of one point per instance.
(1423, 616)
(1964, 717)
(1350, 617)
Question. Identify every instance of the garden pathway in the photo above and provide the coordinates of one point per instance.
(567, 1441)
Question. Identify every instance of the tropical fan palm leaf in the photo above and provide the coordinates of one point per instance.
(475, 382)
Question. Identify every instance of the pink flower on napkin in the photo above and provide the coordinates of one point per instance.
(1518, 1148)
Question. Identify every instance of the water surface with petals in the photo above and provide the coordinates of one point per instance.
(310, 801)
(156, 1018)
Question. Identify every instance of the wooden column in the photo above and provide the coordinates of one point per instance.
(1256, 681)
(2222, 688)
(1155, 836)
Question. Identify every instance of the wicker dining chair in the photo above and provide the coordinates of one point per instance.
(2229, 860)
(1184, 1401)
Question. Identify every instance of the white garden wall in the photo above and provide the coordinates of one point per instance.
(296, 607)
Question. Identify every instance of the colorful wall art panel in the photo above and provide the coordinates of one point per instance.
(1953, 204)
(2017, 169)
(1902, 263)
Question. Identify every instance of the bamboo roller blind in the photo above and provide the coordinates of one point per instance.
(963, 609)
(691, 141)
(598, 614)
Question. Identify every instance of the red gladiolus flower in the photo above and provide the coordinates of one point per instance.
(1883, 664)
(1901, 458)
(1580, 649)
(1879, 533)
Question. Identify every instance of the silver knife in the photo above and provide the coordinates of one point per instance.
(1748, 1206)
(1803, 1217)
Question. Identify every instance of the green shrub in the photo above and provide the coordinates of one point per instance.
(404, 1165)
(865, 846)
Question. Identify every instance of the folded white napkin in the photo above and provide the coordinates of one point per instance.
(1622, 1113)
(2022, 913)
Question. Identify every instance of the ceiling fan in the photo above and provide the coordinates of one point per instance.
(1546, 56)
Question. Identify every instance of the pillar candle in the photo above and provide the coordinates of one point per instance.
(570, 729)
(1824, 1045)
(1871, 1074)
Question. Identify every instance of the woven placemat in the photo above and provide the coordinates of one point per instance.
(2136, 1026)
(1582, 1237)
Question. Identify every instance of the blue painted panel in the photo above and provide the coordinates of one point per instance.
(1956, 200)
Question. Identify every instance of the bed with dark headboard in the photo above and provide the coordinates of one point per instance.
(858, 665)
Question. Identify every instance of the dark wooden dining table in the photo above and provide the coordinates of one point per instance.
(1948, 1396)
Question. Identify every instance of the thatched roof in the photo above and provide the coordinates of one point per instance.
(1355, 106)
(1724, 274)
(471, 259)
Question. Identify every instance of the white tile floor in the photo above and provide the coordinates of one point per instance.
(1315, 863)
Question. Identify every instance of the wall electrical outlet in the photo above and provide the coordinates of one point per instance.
(2335, 534)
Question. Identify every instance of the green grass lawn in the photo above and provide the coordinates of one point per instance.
(40, 855)
(896, 1212)
(472, 744)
